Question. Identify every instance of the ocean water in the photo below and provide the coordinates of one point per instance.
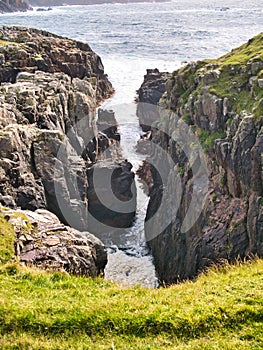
(131, 38)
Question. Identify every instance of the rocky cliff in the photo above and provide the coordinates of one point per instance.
(49, 139)
(220, 104)
(30, 50)
(14, 6)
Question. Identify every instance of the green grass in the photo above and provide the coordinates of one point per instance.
(234, 76)
(233, 81)
(207, 139)
(222, 309)
(252, 51)
(187, 119)
(7, 240)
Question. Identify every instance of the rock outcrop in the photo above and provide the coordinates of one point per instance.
(27, 49)
(112, 195)
(43, 241)
(149, 95)
(49, 139)
(220, 102)
(14, 6)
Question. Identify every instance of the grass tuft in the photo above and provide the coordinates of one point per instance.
(7, 241)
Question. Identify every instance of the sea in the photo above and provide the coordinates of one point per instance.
(131, 38)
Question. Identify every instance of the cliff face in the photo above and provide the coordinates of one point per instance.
(221, 103)
(49, 138)
(14, 6)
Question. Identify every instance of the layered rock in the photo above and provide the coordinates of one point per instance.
(218, 102)
(28, 49)
(48, 132)
(43, 241)
(39, 117)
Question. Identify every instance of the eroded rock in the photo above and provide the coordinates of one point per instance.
(28, 49)
(43, 241)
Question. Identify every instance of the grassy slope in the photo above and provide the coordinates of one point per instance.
(237, 60)
(233, 79)
(220, 310)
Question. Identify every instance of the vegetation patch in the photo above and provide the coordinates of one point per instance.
(187, 119)
(183, 83)
(234, 70)
(7, 241)
(222, 309)
(207, 139)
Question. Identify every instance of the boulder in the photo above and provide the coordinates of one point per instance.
(43, 241)
(112, 196)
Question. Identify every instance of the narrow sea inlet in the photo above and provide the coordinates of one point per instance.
(131, 38)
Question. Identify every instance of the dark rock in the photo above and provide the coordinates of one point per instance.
(230, 221)
(149, 95)
(112, 196)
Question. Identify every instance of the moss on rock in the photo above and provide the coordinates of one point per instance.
(235, 76)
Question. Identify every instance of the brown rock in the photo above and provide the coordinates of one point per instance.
(43, 241)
